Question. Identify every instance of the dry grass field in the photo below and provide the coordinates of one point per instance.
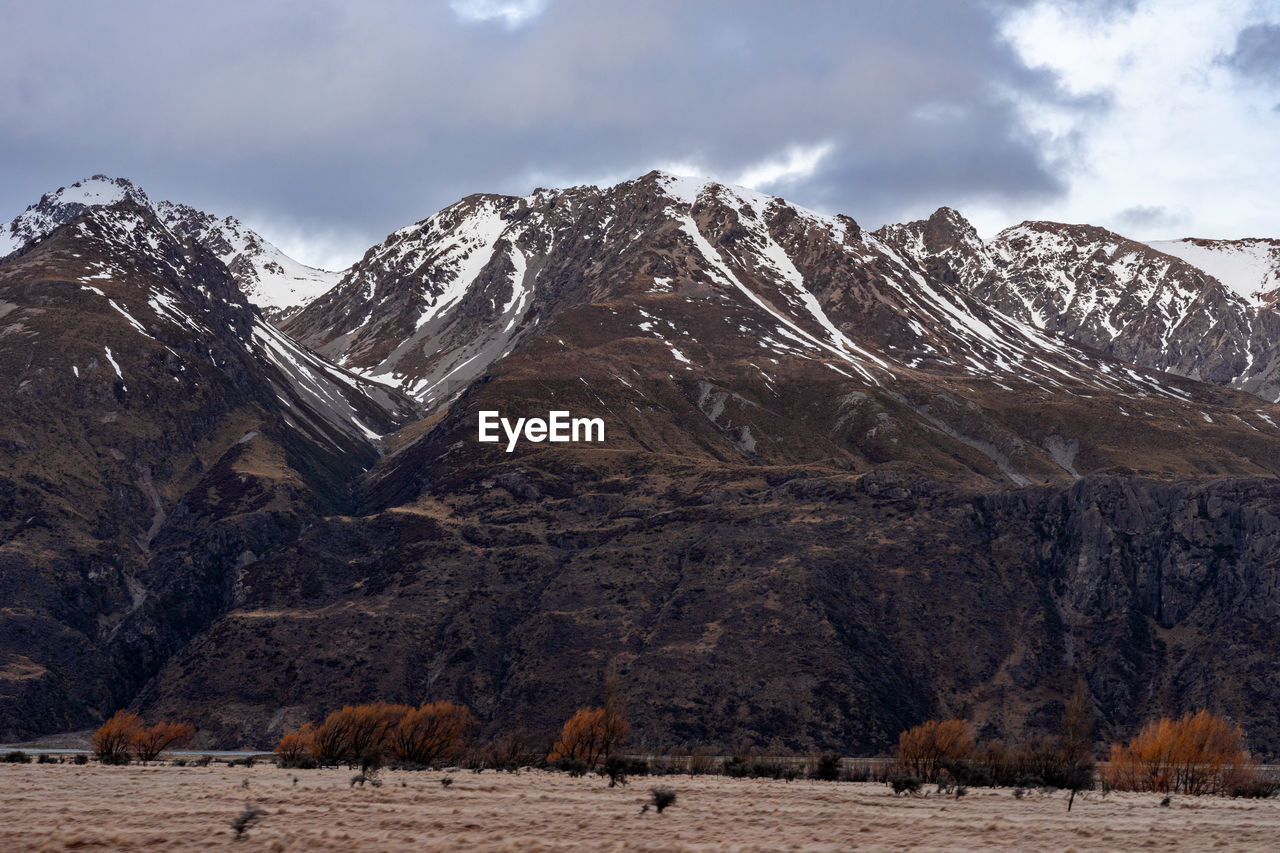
(158, 808)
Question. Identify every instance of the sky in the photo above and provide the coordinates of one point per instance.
(327, 124)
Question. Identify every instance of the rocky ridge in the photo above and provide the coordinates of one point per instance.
(272, 281)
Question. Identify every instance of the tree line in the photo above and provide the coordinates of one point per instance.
(1197, 753)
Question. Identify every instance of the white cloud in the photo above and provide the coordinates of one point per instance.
(795, 164)
(1179, 131)
(325, 248)
(512, 13)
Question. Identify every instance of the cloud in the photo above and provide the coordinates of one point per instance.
(348, 120)
(1175, 129)
(1144, 218)
(1257, 53)
(512, 13)
(797, 163)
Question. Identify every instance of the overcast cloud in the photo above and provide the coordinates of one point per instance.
(327, 124)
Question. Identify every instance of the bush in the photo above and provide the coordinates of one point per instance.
(17, 757)
(702, 760)
(433, 732)
(903, 783)
(251, 815)
(512, 751)
(148, 743)
(348, 735)
(590, 736)
(113, 741)
(827, 768)
(615, 767)
(1256, 785)
(933, 745)
(663, 797)
(1196, 754)
(295, 747)
(80, 758)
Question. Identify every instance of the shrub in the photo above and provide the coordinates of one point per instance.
(827, 768)
(17, 757)
(80, 758)
(590, 736)
(512, 751)
(347, 736)
(702, 760)
(248, 817)
(148, 743)
(433, 732)
(925, 749)
(295, 747)
(615, 767)
(663, 797)
(903, 783)
(113, 740)
(1196, 754)
(1257, 784)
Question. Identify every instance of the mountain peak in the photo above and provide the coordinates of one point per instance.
(269, 278)
(65, 204)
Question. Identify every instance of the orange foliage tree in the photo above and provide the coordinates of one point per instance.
(432, 732)
(925, 749)
(294, 745)
(590, 736)
(357, 733)
(1198, 753)
(113, 741)
(148, 743)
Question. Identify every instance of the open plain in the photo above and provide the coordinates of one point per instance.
(158, 808)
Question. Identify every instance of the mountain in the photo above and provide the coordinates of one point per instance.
(270, 280)
(155, 433)
(839, 491)
(1250, 268)
(1118, 296)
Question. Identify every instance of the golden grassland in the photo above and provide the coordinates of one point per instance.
(162, 807)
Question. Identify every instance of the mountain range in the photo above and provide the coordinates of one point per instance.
(850, 479)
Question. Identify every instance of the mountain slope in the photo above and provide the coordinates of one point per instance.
(1249, 268)
(155, 431)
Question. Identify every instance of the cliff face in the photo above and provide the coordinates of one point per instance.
(799, 608)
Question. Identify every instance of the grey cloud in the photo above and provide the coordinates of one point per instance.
(360, 117)
(1148, 217)
(1257, 53)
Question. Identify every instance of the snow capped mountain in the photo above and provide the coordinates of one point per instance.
(1113, 294)
(439, 302)
(270, 279)
(1250, 268)
(817, 439)
(64, 204)
(169, 293)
